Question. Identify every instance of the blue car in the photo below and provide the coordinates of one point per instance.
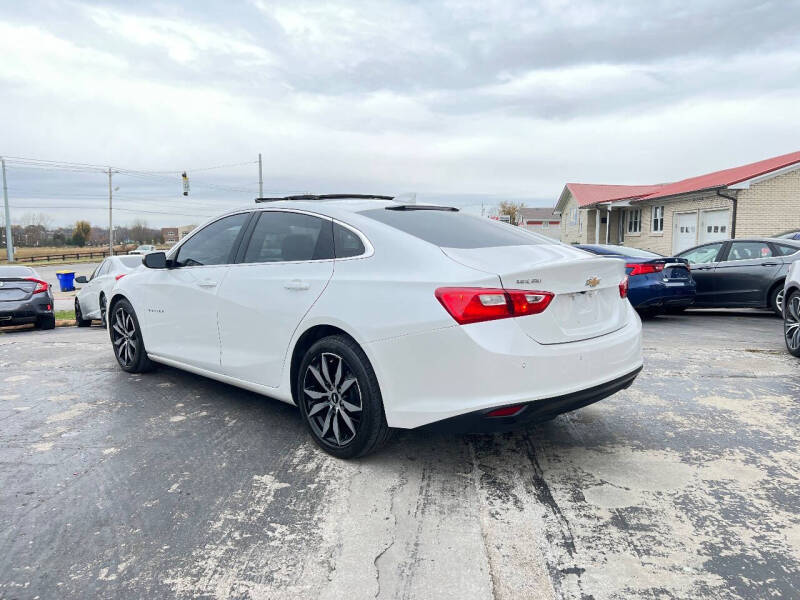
(790, 235)
(656, 283)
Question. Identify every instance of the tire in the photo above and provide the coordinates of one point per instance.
(340, 400)
(776, 299)
(102, 302)
(791, 323)
(46, 322)
(126, 339)
(79, 320)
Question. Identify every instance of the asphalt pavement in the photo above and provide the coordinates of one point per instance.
(168, 485)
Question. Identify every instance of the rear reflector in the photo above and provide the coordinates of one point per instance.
(506, 411)
(473, 305)
(644, 268)
(623, 288)
(41, 286)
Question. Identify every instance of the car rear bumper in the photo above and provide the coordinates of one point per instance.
(660, 295)
(28, 311)
(458, 370)
(532, 412)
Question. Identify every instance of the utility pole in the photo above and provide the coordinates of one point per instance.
(110, 220)
(260, 178)
(9, 239)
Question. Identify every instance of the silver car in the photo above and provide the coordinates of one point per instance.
(90, 303)
(791, 310)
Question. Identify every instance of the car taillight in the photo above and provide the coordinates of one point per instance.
(41, 286)
(623, 288)
(120, 276)
(472, 305)
(644, 268)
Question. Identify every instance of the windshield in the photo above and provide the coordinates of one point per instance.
(450, 229)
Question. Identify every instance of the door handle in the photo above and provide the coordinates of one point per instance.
(769, 264)
(207, 283)
(297, 284)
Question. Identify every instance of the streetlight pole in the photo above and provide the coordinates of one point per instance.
(110, 220)
(9, 239)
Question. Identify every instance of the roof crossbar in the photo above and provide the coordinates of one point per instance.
(326, 197)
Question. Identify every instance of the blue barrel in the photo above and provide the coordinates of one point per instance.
(66, 280)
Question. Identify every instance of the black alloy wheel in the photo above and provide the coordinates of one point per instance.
(103, 309)
(126, 339)
(339, 398)
(79, 320)
(791, 324)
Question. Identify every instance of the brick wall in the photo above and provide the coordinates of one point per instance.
(571, 233)
(769, 207)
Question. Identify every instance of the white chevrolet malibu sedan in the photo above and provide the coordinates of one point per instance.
(369, 314)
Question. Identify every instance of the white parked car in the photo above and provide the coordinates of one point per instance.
(91, 300)
(143, 249)
(791, 310)
(370, 315)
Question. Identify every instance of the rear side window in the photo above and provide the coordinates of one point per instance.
(748, 251)
(213, 244)
(785, 250)
(450, 229)
(346, 242)
(288, 237)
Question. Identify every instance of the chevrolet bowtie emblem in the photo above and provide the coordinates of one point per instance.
(593, 281)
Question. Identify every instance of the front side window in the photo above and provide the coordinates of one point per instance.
(290, 237)
(749, 250)
(634, 220)
(212, 245)
(703, 254)
(658, 219)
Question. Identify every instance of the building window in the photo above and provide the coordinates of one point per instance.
(573, 216)
(580, 222)
(545, 224)
(634, 220)
(658, 219)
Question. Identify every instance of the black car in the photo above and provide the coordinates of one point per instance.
(746, 273)
(25, 298)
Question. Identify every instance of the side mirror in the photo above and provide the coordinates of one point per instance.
(81, 279)
(155, 260)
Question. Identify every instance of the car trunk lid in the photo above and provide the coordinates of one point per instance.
(16, 289)
(587, 303)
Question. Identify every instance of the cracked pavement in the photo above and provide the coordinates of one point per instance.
(168, 485)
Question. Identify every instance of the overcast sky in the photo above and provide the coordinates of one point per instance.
(463, 101)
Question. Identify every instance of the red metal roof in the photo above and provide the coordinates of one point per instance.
(719, 179)
(587, 194)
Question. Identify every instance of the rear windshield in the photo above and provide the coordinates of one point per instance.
(17, 272)
(131, 261)
(450, 229)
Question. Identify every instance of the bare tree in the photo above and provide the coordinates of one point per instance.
(512, 210)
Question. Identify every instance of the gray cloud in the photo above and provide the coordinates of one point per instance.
(505, 98)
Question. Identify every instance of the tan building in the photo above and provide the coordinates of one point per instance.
(540, 220)
(760, 199)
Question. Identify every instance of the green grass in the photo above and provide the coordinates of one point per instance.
(65, 315)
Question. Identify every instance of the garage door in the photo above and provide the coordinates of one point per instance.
(714, 225)
(685, 234)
